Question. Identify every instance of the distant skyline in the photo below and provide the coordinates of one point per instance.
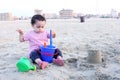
(27, 7)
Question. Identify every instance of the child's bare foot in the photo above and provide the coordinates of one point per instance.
(43, 65)
(58, 62)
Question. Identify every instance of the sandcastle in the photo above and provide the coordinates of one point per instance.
(94, 56)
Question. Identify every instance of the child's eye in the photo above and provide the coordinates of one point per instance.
(39, 26)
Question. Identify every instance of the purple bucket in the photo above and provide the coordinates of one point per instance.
(47, 53)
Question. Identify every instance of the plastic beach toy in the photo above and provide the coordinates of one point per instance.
(24, 65)
(47, 52)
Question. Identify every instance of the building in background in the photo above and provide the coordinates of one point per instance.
(37, 11)
(50, 15)
(15, 18)
(114, 13)
(6, 16)
(66, 13)
(119, 14)
(75, 15)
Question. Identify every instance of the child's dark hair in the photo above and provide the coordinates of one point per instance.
(37, 17)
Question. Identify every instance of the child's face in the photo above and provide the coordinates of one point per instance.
(39, 26)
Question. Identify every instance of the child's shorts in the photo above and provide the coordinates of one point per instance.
(37, 54)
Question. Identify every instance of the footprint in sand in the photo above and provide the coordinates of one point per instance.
(71, 63)
(76, 78)
(71, 60)
(118, 71)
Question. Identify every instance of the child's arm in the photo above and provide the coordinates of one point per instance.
(21, 35)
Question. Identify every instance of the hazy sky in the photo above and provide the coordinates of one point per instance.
(26, 7)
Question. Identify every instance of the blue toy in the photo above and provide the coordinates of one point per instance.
(47, 52)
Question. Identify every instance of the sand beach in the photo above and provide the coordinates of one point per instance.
(74, 39)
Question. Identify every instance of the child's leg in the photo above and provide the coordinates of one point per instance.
(35, 56)
(58, 54)
(57, 59)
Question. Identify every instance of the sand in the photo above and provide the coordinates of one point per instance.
(74, 39)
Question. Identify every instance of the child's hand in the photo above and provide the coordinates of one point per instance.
(20, 31)
(53, 34)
